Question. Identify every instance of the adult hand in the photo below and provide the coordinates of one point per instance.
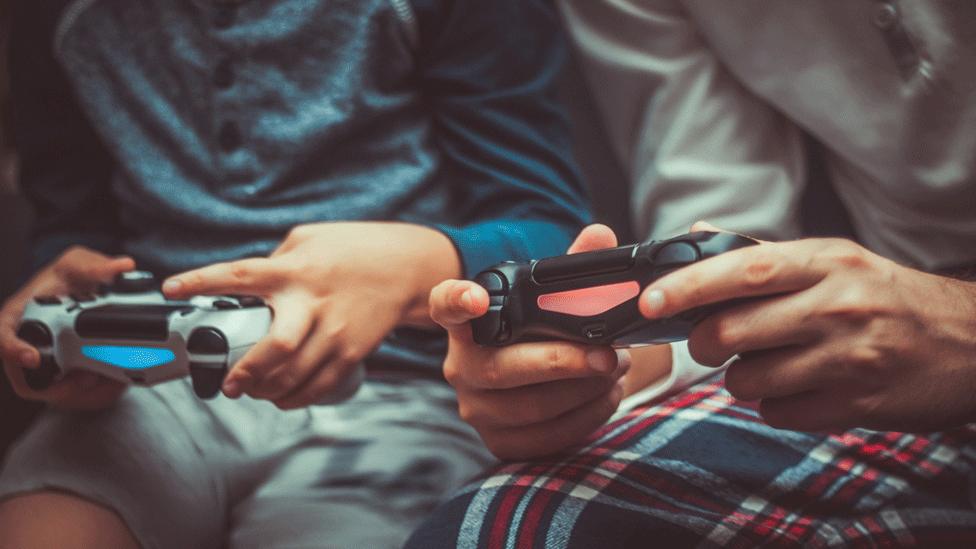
(527, 399)
(337, 289)
(77, 270)
(838, 337)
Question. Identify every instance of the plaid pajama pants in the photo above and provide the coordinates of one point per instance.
(701, 469)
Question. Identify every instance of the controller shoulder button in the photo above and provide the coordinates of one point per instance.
(47, 300)
(492, 282)
(208, 341)
(676, 254)
(207, 379)
(249, 301)
(225, 304)
(82, 298)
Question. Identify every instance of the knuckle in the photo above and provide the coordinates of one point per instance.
(853, 304)
(468, 412)
(845, 253)
(283, 344)
(866, 361)
(560, 359)
(297, 233)
(241, 272)
(726, 334)
(350, 354)
(491, 375)
(739, 383)
(759, 274)
(279, 382)
(452, 372)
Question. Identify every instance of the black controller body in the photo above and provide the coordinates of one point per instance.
(592, 297)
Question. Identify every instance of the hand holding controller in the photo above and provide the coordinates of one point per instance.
(592, 297)
(134, 335)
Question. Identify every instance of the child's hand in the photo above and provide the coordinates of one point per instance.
(78, 270)
(528, 399)
(337, 289)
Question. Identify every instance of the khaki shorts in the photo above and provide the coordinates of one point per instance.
(187, 473)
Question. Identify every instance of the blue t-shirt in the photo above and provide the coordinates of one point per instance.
(187, 133)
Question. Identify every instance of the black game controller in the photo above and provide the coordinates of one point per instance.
(592, 297)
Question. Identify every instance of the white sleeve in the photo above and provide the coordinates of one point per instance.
(685, 372)
(694, 142)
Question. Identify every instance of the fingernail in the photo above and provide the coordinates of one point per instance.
(27, 358)
(466, 300)
(655, 302)
(624, 360)
(601, 361)
(172, 286)
(232, 388)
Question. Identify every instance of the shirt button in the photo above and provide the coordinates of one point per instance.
(223, 76)
(229, 137)
(885, 16)
(223, 17)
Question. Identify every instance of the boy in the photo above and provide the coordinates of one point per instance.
(188, 135)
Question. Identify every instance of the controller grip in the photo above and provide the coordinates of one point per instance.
(207, 379)
(39, 336)
(43, 377)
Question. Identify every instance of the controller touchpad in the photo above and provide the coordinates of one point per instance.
(146, 322)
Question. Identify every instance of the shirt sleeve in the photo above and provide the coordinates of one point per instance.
(695, 143)
(490, 72)
(64, 170)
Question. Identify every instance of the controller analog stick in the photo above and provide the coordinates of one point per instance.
(207, 375)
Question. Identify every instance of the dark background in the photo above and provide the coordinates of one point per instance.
(14, 223)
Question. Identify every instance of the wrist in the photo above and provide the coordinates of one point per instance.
(432, 259)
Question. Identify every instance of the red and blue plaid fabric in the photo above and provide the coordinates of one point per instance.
(701, 469)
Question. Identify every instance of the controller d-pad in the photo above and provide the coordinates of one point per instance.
(676, 254)
(207, 341)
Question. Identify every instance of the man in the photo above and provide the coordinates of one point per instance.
(707, 104)
(372, 148)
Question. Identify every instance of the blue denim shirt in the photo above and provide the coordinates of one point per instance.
(189, 132)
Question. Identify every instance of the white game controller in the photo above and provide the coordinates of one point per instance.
(132, 334)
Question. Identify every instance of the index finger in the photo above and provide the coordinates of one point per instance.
(254, 276)
(13, 350)
(532, 363)
(761, 270)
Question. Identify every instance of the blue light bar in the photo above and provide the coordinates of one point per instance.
(130, 358)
